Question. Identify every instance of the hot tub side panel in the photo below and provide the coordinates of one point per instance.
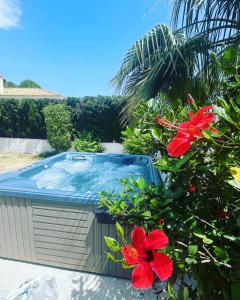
(56, 234)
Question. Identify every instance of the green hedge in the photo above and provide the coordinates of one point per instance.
(99, 115)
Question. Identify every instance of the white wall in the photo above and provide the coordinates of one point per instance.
(35, 146)
(113, 147)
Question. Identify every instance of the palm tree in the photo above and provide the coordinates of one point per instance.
(180, 60)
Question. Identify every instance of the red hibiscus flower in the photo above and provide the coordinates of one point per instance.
(143, 255)
(192, 188)
(222, 214)
(190, 131)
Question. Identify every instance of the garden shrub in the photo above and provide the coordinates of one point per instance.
(197, 209)
(99, 115)
(136, 142)
(58, 124)
(23, 118)
(86, 143)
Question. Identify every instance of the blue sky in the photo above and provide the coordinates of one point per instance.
(72, 47)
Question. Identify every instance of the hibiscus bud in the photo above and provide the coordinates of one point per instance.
(192, 188)
(161, 221)
(190, 99)
(191, 102)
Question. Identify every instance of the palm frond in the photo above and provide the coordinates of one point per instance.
(202, 16)
(179, 61)
(159, 61)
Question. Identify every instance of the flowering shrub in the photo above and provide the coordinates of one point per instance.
(142, 255)
(198, 206)
(188, 131)
(139, 203)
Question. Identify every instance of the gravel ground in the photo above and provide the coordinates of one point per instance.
(14, 161)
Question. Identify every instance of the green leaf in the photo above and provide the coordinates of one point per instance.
(112, 244)
(221, 253)
(123, 204)
(231, 238)
(207, 135)
(141, 183)
(229, 54)
(221, 112)
(193, 225)
(190, 260)
(234, 183)
(156, 133)
(199, 234)
(147, 214)
(111, 257)
(183, 160)
(120, 231)
(185, 293)
(235, 290)
(207, 241)
(192, 249)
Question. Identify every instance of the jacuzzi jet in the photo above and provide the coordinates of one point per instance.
(79, 157)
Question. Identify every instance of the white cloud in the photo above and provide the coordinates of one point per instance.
(10, 13)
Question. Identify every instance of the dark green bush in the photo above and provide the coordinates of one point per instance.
(59, 127)
(23, 118)
(86, 143)
(98, 115)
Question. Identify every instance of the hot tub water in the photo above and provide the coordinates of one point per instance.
(89, 175)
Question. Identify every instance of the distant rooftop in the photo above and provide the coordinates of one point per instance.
(29, 93)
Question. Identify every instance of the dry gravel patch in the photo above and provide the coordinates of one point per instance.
(14, 161)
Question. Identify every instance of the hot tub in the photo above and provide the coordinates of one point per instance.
(48, 210)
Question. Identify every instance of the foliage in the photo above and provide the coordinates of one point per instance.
(100, 115)
(136, 142)
(47, 154)
(8, 83)
(23, 118)
(138, 203)
(29, 84)
(143, 255)
(203, 186)
(135, 139)
(86, 143)
(23, 84)
(179, 60)
(58, 124)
